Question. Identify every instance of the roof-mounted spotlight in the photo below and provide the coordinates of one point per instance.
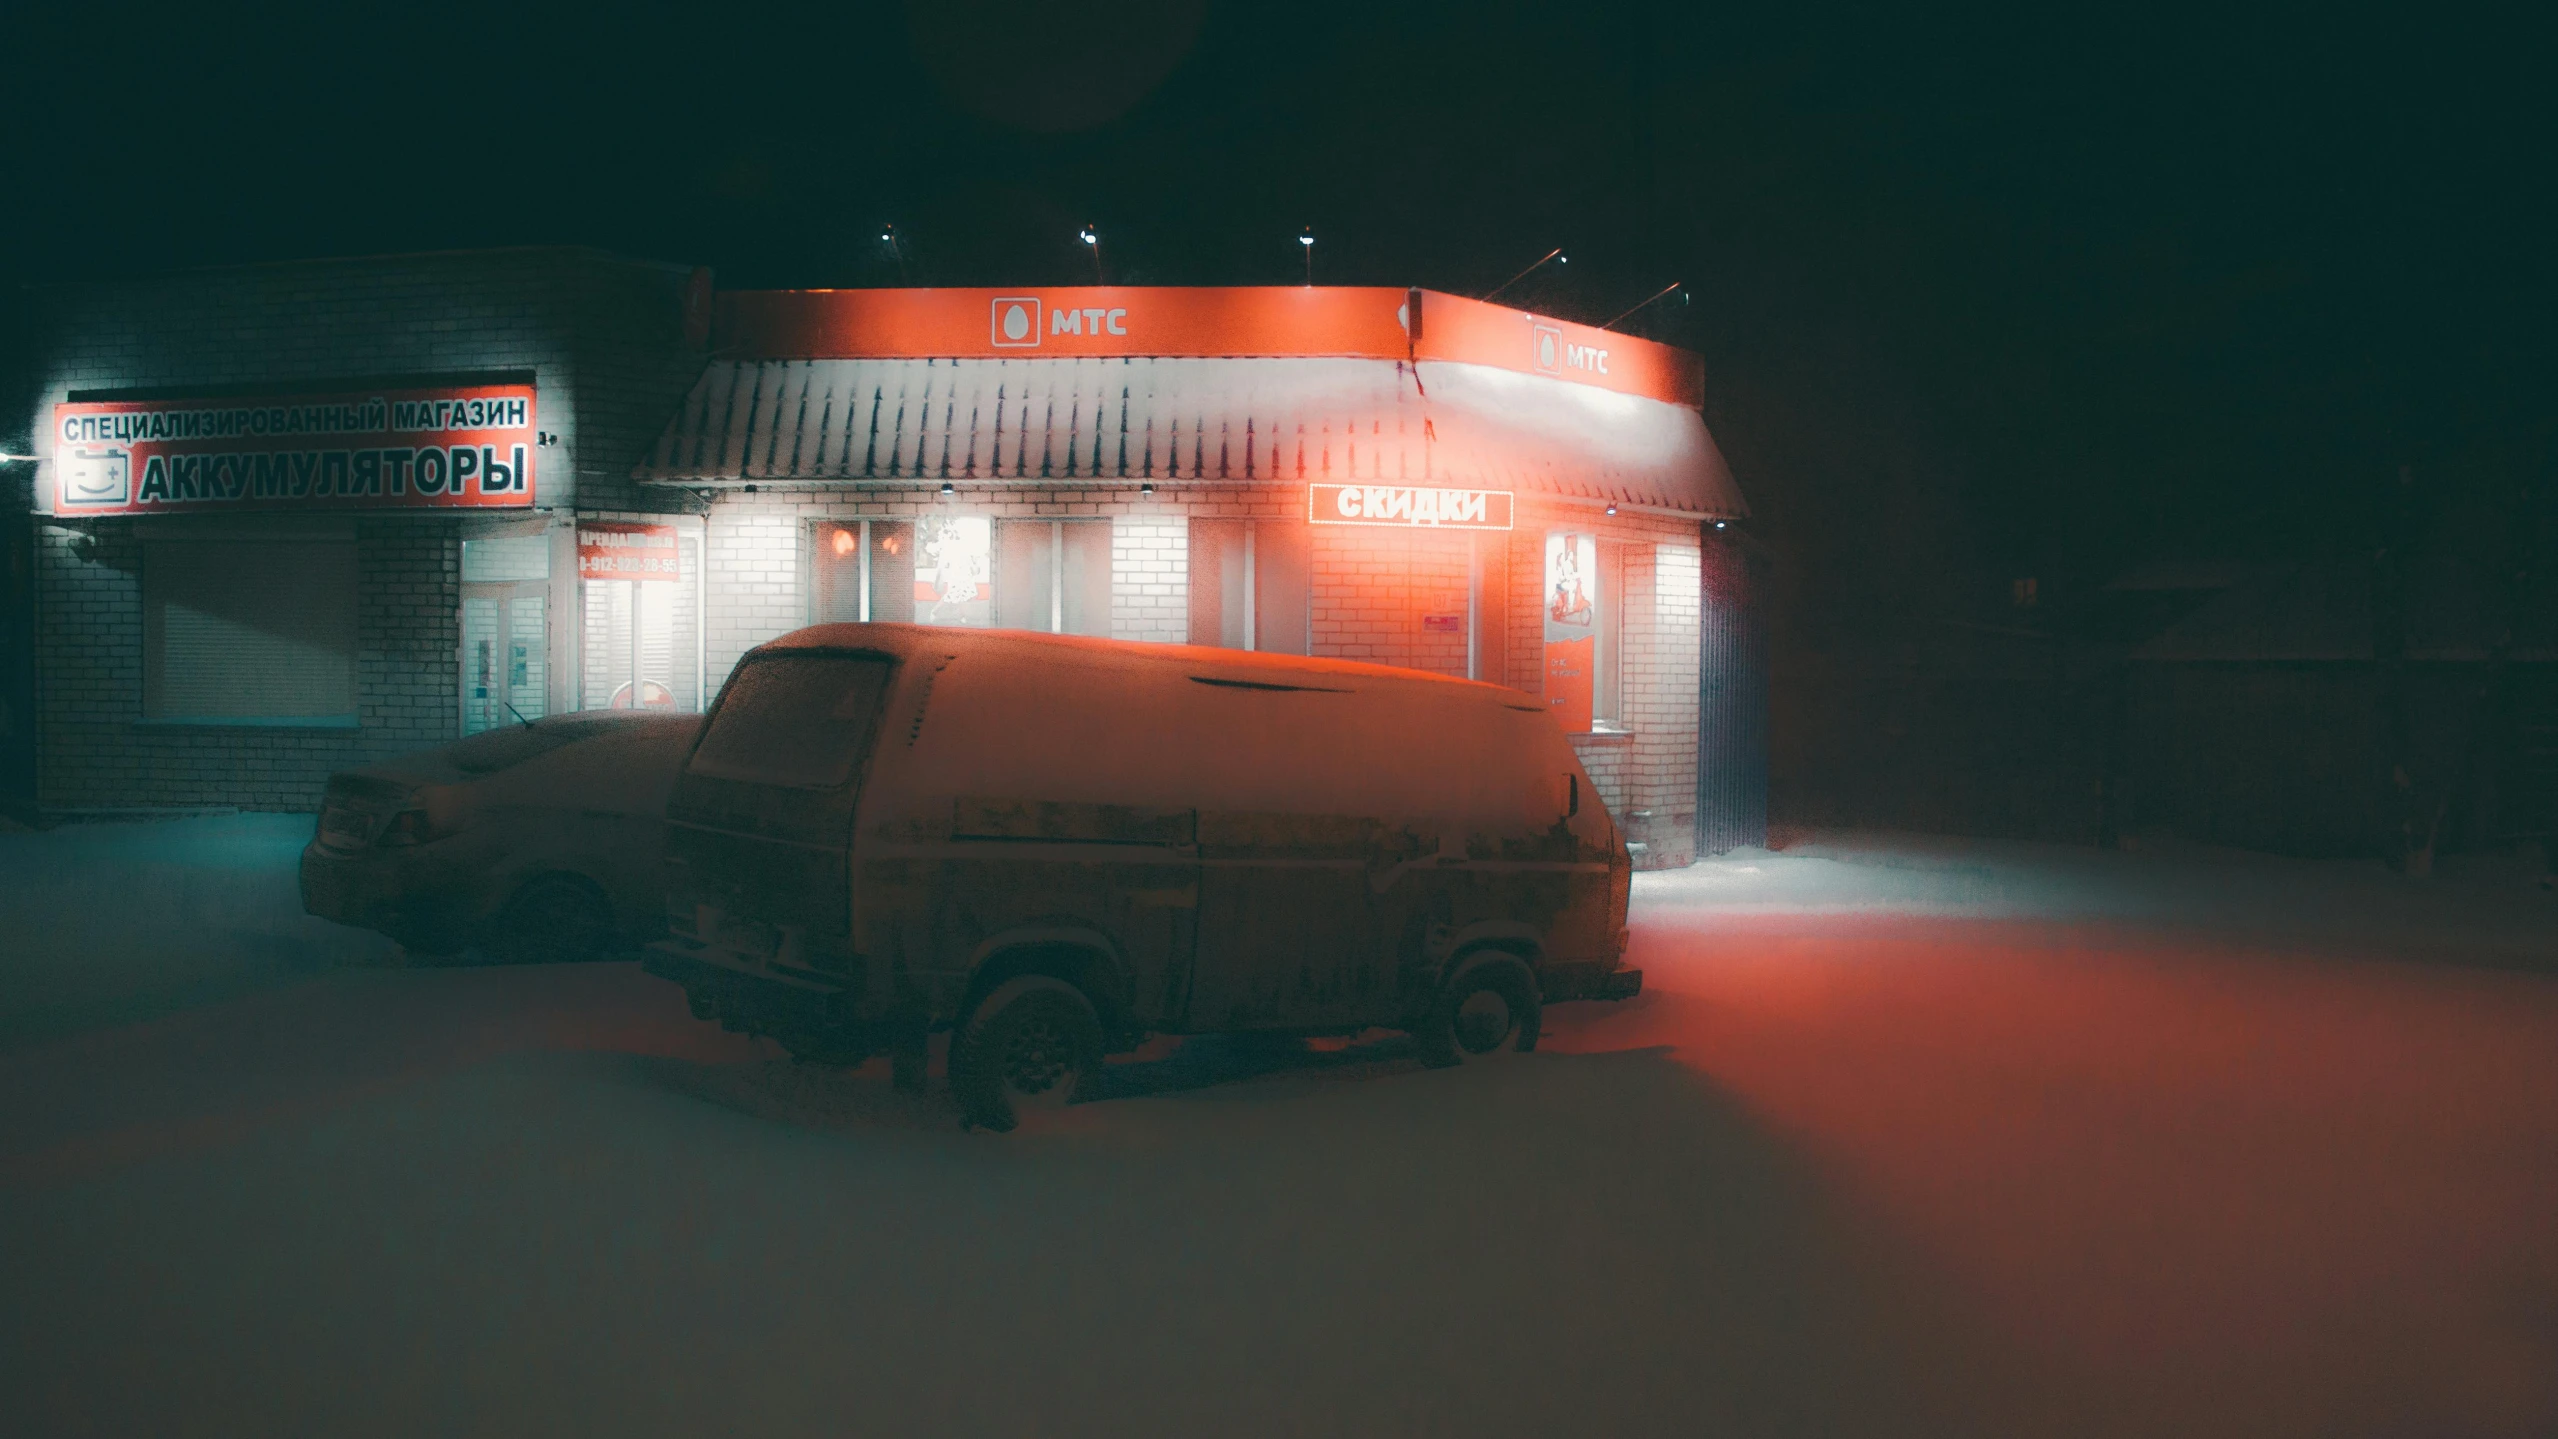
(888, 237)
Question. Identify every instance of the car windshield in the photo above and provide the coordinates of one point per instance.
(798, 720)
(497, 749)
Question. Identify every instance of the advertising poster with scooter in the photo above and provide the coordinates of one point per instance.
(1571, 629)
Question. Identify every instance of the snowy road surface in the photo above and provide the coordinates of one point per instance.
(1908, 1138)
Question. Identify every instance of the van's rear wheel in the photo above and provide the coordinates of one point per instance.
(1029, 1046)
(1488, 1008)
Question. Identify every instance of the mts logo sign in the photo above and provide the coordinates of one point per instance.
(1554, 354)
(1020, 322)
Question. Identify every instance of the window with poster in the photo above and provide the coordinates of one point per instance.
(643, 638)
(1051, 575)
(1581, 612)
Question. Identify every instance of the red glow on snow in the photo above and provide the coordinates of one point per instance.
(2192, 1179)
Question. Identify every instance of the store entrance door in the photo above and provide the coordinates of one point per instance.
(506, 660)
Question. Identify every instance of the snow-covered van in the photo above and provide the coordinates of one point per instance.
(1056, 845)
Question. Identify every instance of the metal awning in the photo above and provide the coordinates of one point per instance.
(1247, 420)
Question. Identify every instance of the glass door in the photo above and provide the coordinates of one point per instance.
(506, 660)
(505, 655)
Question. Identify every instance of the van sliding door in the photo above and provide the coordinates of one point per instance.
(1288, 934)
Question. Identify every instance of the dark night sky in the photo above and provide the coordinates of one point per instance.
(1981, 291)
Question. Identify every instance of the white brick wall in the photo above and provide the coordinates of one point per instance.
(602, 337)
(1373, 587)
(1150, 577)
(92, 753)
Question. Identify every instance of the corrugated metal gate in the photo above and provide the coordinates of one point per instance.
(2528, 806)
(1732, 703)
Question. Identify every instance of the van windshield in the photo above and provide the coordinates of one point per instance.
(798, 720)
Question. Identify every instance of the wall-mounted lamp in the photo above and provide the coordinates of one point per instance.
(1306, 242)
(948, 489)
(1146, 491)
(1612, 507)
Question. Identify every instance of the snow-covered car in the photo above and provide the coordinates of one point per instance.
(1055, 845)
(540, 841)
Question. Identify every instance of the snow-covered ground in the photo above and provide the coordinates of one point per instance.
(107, 923)
(1907, 1137)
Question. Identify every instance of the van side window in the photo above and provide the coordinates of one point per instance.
(798, 720)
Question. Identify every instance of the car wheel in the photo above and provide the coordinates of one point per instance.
(1027, 1047)
(553, 920)
(1489, 1008)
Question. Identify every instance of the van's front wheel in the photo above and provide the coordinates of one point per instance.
(1488, 1008)
(1028, 1046)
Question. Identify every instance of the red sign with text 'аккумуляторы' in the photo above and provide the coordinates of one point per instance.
(378, 447)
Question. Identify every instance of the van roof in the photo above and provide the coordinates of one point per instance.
(904, 639)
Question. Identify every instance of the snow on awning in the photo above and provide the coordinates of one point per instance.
(1263, 419)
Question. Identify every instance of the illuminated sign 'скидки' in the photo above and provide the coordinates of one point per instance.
(1408, 505)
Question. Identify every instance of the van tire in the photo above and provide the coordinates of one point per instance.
(1488, 1008)
(557, 919)
(1030, 1045)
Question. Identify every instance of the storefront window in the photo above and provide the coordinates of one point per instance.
(1581, 630)
(955, 570)
(1248, 585)
(249, 631)
(1051, 575)
(861, 570)
(643, 636)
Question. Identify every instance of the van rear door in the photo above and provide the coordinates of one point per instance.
(759, 829)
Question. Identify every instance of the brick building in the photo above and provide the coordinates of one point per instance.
(294, 517)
